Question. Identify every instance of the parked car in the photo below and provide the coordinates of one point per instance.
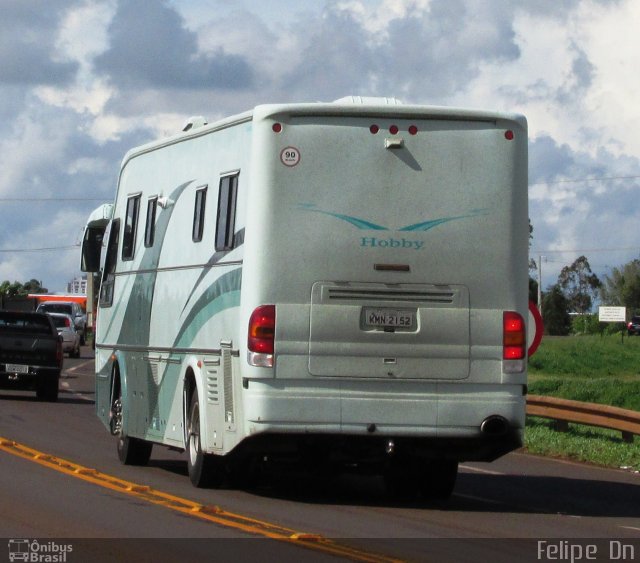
(70, 308)
(30, 353)
(633, 327)
(67, 330)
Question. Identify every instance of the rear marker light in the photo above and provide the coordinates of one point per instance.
(277, 127)
(393, 129)
(508, 135)
(374, 129)
(261, 336)
(514, 336)
(413, 130)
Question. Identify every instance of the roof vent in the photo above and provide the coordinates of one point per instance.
(194, 122)
(369, 100)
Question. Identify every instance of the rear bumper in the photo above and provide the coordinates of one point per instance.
(437, 419)
(26, 381)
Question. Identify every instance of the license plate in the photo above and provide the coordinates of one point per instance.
(17, 368)
(389, 318)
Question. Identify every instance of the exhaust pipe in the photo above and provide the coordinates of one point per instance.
(494, 425)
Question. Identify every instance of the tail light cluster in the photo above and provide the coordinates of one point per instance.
(59, 352)
(261, 336)
(514, 336)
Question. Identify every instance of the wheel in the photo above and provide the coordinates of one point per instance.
(75, 353)
(47, 387)
(131, 451)
(410, 478)
(205, 470)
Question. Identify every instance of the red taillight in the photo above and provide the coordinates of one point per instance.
(67, 321)
(277, 127)
(514, 336)
(393, 129)
(413, 130)
(509, 135)
(262, 329)
(374, 129)
(59, 352)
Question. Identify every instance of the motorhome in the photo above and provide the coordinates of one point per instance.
(342, 284)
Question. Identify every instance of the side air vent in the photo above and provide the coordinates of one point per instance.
(213, 385)
(358, 294)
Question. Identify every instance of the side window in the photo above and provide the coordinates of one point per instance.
(150, 226)
(198, 214)
(226, 218)
(108, 274)
(130, 224)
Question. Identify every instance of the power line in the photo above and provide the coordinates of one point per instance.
(601, 179)
(47, 249)
(48, 199)
(575, 250)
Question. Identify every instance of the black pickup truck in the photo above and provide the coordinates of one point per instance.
(30, 353)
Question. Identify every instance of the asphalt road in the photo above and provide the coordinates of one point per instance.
(498, 511)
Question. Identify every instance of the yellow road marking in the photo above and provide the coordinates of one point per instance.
(210, 513)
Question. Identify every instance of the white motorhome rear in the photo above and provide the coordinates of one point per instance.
(342, 279)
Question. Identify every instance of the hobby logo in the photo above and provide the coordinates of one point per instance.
(375, 242)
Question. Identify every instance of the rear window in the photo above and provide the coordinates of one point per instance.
(30, 324)
(60, 322)
(56, 308)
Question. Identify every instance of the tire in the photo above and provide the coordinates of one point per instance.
(47, 387)
(205, 470)
(131, 451)
(75, 353)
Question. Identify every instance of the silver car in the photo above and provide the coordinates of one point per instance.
(70, 336)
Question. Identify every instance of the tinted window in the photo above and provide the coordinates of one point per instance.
(31, 323)
(131, 221)
(198, 214)
(150, 226)
(108, 275)
(56, 308)
(225, 221)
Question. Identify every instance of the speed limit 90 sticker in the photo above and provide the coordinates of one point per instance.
(290, 156)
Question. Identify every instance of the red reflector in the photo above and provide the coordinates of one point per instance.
(374, 129)
(262, 329)
(393, 129)
(514, 336)
(277, 127)
(413, 130)
(508, 135)
(513, 353)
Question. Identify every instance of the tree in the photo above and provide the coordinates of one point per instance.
(17, 289)
(533, 283)
(622, 287)
(579, 285)
(555, 311)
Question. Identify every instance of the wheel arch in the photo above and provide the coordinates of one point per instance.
(119, 384)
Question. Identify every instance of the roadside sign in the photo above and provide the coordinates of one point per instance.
(612, 314)
(535, 328)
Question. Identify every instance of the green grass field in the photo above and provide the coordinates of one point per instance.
(595, 369)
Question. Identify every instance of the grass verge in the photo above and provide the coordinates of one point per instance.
(594, 369)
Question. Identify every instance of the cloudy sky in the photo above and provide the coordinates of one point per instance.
(83, 81)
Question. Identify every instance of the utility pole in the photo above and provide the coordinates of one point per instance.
(540, 284)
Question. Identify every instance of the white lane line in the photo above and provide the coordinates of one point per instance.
(74, 368)
(478, 470)
(630, 528)
(65, 385)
